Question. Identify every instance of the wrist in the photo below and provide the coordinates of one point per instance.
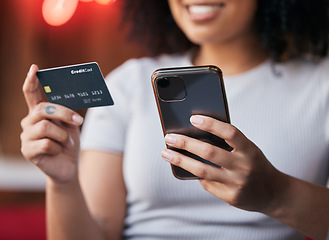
(66, 186)
(281, 188)
(300, 205)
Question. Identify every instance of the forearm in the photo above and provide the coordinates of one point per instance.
(303, 206)
(67, 213)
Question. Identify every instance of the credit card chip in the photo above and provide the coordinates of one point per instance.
(47, 89)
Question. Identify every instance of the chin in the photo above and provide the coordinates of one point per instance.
(203, 39)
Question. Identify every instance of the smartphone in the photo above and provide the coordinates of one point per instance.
(183, 92)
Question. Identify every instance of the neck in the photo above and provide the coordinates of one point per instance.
(234, 56)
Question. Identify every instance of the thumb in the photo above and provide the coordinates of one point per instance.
(31, 89)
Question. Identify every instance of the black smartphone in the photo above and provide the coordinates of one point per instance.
(183, 92)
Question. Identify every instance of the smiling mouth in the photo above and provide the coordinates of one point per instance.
(203, 12)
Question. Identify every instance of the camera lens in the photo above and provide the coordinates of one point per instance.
(171, 88)
(163, 82)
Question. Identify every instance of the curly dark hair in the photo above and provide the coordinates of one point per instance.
(288, 28)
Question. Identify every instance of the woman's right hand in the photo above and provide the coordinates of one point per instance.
(50, 136)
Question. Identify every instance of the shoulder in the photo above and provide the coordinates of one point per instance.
(303, 71)
(303, 66)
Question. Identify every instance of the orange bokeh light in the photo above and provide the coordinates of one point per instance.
(58, 12)
(105, 1)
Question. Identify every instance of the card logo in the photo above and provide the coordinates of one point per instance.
(82, 70)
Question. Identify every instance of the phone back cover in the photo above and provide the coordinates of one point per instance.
(204, 95)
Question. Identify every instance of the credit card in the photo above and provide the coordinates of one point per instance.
(77, 86)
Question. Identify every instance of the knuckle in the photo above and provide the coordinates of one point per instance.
(246, 175)
(22, 137)
(23, 122)
(233, 202)
(231, 132)
(177, 160)
(201, 172)
(240, 185)
(24, 87)
(45, 145)
(234, 199)
(25, 151)
(182, 143)
(209, 152)
(40, 107)
(22, 146)
(43, 126)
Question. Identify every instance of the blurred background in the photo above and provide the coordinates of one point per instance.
(93, 33)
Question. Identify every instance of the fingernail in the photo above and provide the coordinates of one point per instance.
(77, 119)
(196, 120)
(166, 155)
(170, 140)
(31, 67)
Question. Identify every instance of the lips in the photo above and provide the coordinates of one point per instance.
(204, 12)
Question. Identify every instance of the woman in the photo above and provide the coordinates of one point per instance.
(271, 186)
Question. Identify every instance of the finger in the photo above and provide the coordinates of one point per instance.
(45, 110)
(226, 131)
(40, 148)
(31, 89)
(47, 129)
(225, 192)
(199, 169)
(219, 189)
(204, 150)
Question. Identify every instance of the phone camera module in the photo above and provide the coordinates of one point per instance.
(171, 88)
(163, 82)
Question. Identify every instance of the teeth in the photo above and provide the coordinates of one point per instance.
(202, 9)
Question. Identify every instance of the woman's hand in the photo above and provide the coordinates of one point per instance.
(245, 179)
(50, 137)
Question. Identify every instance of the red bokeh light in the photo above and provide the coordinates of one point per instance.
(58, 12)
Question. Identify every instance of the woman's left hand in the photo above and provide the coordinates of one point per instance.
(246, 178)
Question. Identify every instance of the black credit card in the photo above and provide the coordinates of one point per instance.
(77, 86)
